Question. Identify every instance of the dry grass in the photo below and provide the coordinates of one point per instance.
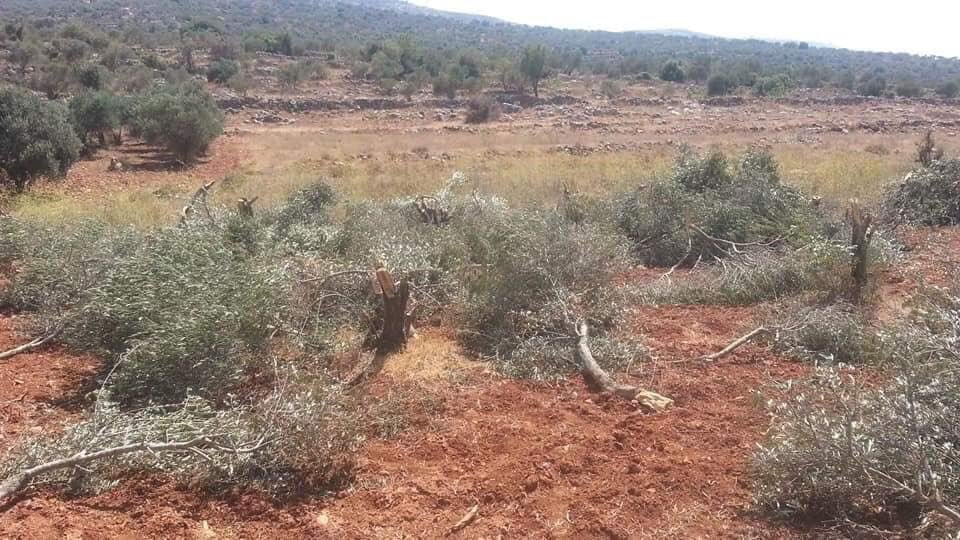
(524, 168)
(431, 357)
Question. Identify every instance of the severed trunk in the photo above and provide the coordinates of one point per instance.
(600, 380)
(861, 235)
(396, 325)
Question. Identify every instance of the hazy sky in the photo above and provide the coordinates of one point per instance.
(918, 26)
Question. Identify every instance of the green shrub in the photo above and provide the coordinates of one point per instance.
(926, 196)
(826, 334)
(184, 309)
(300, 439)
(672, 72)
(96, 113)
(92, 76)
(820, 269)
(949, 90)
(222, 70)
(720, 85)
(184, 118)
(847, 448)
(773, 86)
(541, 273)
(481, 110)
(187, 312)
(704, 204)
(909, 89)
(874, 86)
(36, 138)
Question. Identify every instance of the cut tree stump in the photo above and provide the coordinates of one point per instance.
(245, 207)
(861, 235)
(599, 379)
(396, 325)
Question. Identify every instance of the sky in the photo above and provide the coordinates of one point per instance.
(918, 26)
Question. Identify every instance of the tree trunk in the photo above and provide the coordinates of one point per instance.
(395, 321)
(600, 380)
(861, 235)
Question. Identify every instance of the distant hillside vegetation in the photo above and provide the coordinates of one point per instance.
(429, 44)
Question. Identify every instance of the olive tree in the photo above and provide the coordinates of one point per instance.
(96, 114)
(36, 138)
(183, 118)
(533, 66)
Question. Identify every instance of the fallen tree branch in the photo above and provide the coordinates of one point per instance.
(466, 519)
(597, 378)
(324, 279)
(200, 196)
(27, 347)
(734, 345)
(15, 483)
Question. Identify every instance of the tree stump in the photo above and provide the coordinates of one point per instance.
(245, 207)
(396, 326)
(861, 234)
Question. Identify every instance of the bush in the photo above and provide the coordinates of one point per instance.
(542, 273)
(845, 448)
(744, 204)
(872, 86)
(830, 334)
(92, 76)
(184, 118)
(96, 113)
(481, 110)
(446, 86)
(296, 441)
(774, 86)
(821, 269)
(720, 85)
(36, 138)
(222, 71)
(908, 89)
(926, 196)
(184, 308)
(949, 90)
(672, 72)
(611, 89)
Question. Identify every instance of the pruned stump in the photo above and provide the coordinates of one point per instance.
(431, 211)
(861, 234)
(245, 207)
(396, 325)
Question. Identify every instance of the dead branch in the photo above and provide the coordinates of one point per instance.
(26, 347)
(324, 279)
(15, 483)
(466, 519)
(734, 345)
(599, 379)
(734, 246)
(199, 197)
(933, 502)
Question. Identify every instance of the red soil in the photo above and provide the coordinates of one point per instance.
(539, 460)
(34, 386)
